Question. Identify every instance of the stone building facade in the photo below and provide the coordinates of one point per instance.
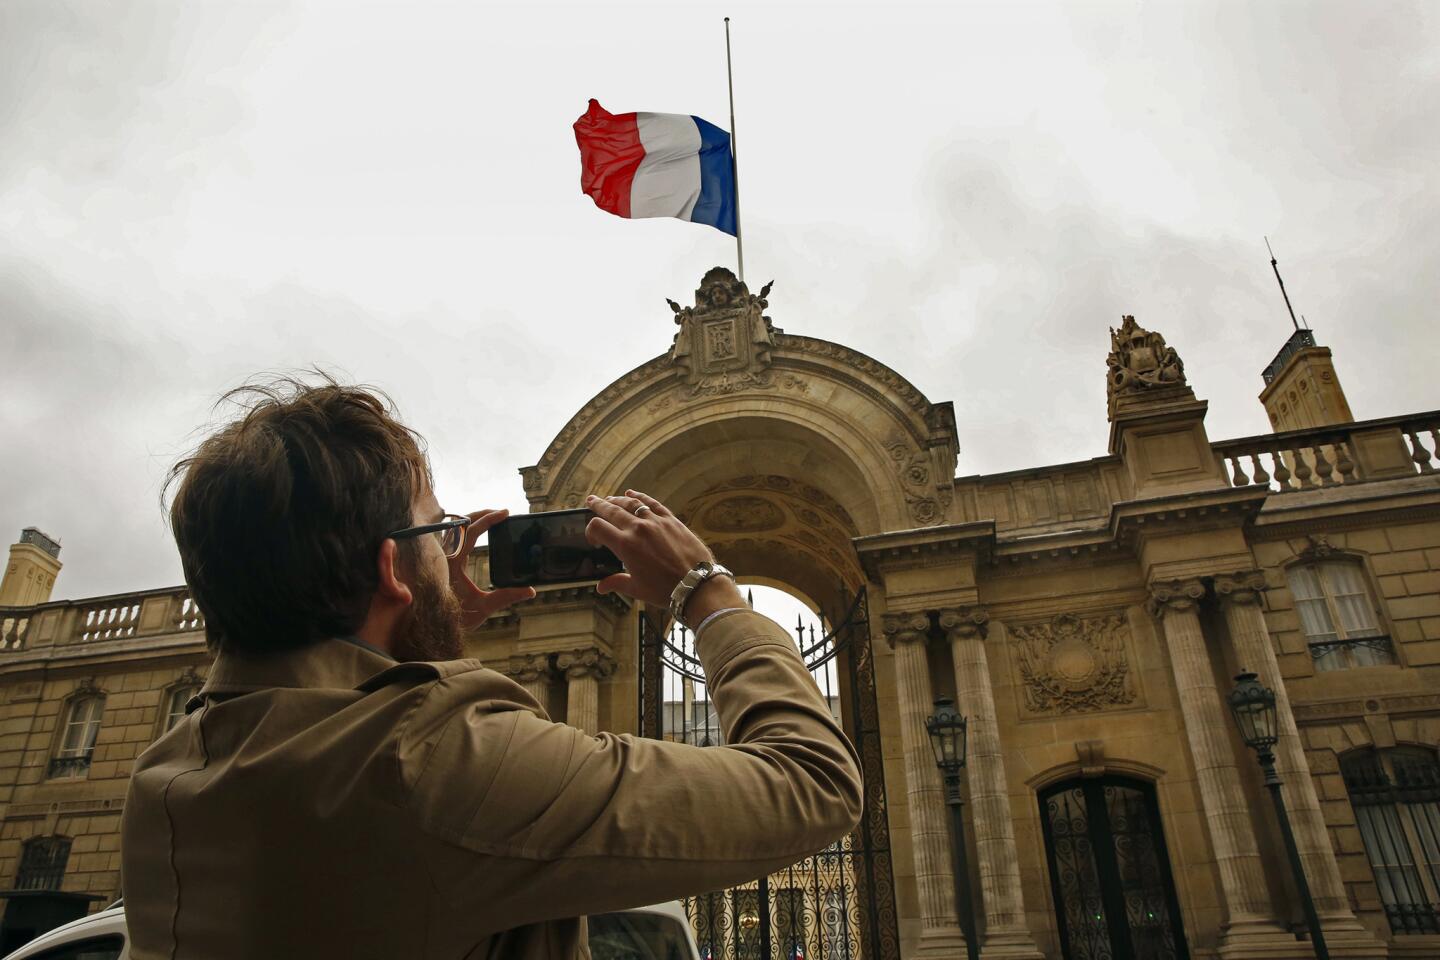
(1087, 618)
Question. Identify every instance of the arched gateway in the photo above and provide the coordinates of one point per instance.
(779, 450)
(1077, 613)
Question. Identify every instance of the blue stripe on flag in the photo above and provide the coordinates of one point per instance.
(716, 205)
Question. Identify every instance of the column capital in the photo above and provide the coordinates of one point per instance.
(964, 622)
(1174, 596)
(589, 662)
(1243, 588)
(528, 668)
(905, 627)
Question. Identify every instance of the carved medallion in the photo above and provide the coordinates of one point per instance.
(1070, 665)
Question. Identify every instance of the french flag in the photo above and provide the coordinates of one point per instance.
(638, 165)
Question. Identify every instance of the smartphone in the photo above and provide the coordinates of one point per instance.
(536, 549)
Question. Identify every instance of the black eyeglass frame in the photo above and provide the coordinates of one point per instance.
(452, 520)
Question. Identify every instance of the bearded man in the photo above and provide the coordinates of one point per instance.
(348, 785)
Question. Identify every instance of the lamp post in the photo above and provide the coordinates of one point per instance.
(947, 738)
(1253, 705)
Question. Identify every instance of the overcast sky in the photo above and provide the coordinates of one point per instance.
(971, 193)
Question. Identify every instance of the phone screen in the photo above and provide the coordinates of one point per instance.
(543, 548)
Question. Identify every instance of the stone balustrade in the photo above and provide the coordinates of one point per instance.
(1330, 456)
(147, 613)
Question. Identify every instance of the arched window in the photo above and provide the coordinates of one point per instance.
(1396, 797)
(175, 702)
(1338, 615)
(77, 740)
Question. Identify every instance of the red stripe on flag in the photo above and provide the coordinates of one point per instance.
(610, 153)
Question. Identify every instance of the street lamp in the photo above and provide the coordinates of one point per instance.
(1253, 705)
(947, 739)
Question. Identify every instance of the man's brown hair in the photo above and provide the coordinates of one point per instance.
(279, 515)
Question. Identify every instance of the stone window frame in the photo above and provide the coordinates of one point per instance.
(188, 681)
(40, 879)
(1404, 830)
(73, 763)
(1321, 552)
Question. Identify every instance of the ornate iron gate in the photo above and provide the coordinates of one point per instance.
(1114, 896)
(838, 904)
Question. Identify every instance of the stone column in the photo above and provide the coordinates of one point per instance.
(1239, 596)
(534, 673)
(1207, 726)
(1006, 934)
(940, 935)
(584, 669)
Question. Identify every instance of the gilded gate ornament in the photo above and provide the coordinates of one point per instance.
(1074, 665)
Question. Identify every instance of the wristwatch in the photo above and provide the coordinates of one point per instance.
(698, 574)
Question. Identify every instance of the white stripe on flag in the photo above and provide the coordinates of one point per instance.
(667, 182)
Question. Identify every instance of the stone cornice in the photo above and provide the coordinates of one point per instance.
(905, 627)
(577, 596)
(924, 546)
(1131, 520)
(1347, 507)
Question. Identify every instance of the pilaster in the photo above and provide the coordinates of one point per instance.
(1251, 930)
(940, 935)
(584, 669)
(1006, 934)
(1240, 595)
(533, 672)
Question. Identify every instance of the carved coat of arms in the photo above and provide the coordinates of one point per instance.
(1073, 665)
(724, 341)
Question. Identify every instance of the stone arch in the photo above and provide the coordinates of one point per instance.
(735, 397)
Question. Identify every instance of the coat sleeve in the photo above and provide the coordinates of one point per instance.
(537, 820)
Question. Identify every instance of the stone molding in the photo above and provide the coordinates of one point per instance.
(905, 627)
(965, 622)
(529, 668)
(1174, 596)
(1243, 589)
(589, 662)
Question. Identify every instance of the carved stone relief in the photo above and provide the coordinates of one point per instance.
(1074, 665)
(743, 515)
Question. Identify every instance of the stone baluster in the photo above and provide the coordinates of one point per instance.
(1239, 595)
(1323, 470)
(1303, 472)
(1418, 453)
(1261, 477)
(1006, 934)
(1207, 727)
(1237, 470)
(1343, 462)
(534, 673)
(1282, 469)
(940, 935)
(584, 669)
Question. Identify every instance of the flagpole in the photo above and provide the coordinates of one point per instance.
(734, 156)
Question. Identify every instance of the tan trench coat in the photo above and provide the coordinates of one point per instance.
(330, 802)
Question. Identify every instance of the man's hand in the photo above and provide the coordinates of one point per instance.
(477, 605)
(657, 550)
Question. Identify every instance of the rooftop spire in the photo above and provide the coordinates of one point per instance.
(1276, 267)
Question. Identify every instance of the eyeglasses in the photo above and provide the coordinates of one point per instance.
(450, 531)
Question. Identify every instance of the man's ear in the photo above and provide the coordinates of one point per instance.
(391, 587)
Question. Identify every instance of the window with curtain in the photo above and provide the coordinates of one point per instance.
(1338, 615)
(1396, 797)
(77, 743)
(175, 704)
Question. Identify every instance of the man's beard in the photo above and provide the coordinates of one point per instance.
(432, 630)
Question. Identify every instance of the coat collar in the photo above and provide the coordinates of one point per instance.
(340, 663)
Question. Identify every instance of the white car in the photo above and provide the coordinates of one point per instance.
(661, 932)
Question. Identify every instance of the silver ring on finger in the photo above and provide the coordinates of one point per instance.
(642, 511)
